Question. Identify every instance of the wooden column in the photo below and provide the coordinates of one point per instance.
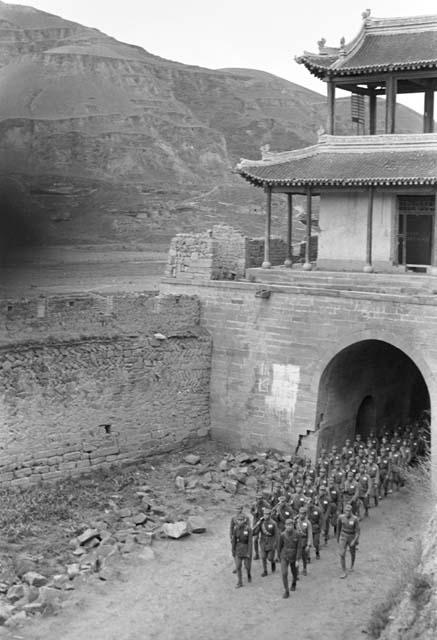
(390, 104)
(372, 113)
(368, 268)
(433, 269)
(289, 259)
(330, 125)
(307, 265)
(266, 264)
(428, 111)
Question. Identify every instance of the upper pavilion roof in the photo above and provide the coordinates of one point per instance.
(349, 161)
(383, 44)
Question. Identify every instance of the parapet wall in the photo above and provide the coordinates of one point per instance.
(222, 253)
(87, 381)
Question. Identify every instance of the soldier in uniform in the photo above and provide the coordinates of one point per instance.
(304, 529)
(232, 527)
(348, 533)
(242, 547)
(288, 550)
(257, 513)
(282, 512)
(315, 516)
(268, 530)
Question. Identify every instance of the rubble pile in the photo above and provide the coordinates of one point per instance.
(172, 506)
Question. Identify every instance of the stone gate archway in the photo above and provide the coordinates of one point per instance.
(368, 385)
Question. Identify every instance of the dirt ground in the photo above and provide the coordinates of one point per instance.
(188, 590)
(65, 269)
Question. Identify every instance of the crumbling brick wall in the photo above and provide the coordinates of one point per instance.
(98, 380)
(223, 253)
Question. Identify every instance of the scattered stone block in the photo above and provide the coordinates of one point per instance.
(35, 579)
(49, 595)
(251, 482)
(16, 592)
(90, 544)
(33, 607)
(6, 611)
(139, 518)
(175, 530)
(59, 581)
(87, 535)
(16, 619)
(223, 465)
(243, 457)
(196, 524)
(4, 587)
(180, 483)
(24, 564)
(145, 538)
(192, 458)
(73, 570)
(192, 482)
(80, 551)
(159, 336)
(231, 486)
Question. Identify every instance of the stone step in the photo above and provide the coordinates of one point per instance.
(383, 283)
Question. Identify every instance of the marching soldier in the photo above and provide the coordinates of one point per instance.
(257, 513)
(315, 516)
(304, 529)
(348, 533)
(242, 547)
(288, 550)
(268, 543)
(232, 526)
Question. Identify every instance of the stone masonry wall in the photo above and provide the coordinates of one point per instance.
(88, 381)
(269, 353)
(223, 253)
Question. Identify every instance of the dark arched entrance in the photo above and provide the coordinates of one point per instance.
(369, 385)
(366, 417)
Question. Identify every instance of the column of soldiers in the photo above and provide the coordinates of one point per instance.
(297, 514)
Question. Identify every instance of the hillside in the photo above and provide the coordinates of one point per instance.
(104, 141)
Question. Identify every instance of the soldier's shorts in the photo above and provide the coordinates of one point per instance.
(268, 554)
(344, 543)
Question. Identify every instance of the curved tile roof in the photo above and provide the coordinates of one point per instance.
(347, 161)
(388, 44)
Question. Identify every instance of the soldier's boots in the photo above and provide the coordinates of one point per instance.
(264, 573)
(249, 577)
(240, 579)
(286, 594)
(293, 587)
(273, 567)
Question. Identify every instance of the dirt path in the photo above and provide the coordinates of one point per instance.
(188, 592)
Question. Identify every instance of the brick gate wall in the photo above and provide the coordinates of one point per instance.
(269, 353)
(88, 381)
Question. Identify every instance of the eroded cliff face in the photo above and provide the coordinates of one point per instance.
(153, 141)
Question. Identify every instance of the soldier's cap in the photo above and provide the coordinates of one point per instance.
(289, 521)
(302, 510)
(281, 498)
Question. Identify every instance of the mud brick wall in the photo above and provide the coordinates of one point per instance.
(278, 252)
(89, 381)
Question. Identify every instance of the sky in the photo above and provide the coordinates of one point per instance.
(257, 34)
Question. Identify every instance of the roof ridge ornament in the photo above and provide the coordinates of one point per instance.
(366, 14)
(343, 46)
(321, 43)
